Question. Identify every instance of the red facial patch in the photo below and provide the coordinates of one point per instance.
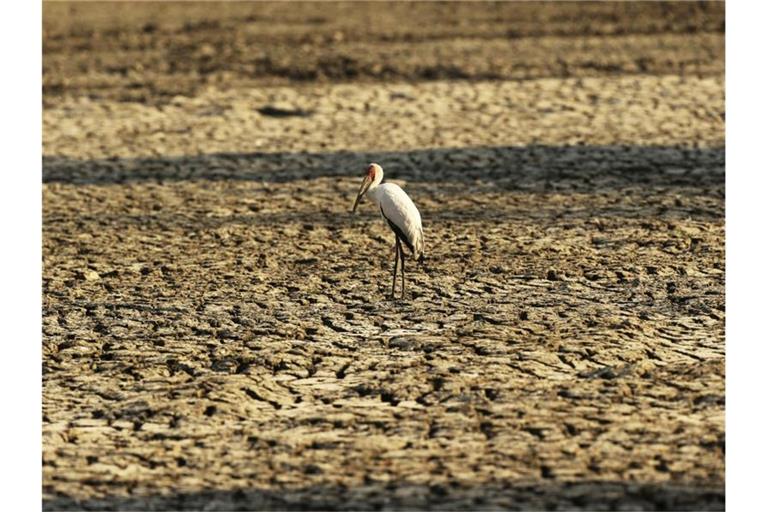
(371, 172)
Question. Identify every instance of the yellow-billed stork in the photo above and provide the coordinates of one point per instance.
(399, 212)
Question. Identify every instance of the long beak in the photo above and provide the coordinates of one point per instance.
(363, 189)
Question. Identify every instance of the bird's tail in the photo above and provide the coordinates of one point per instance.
(420, 248)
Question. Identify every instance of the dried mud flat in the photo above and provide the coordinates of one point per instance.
(216, 331)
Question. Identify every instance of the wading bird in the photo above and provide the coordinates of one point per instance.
(399, 212)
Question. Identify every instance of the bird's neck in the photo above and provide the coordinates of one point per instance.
(372, 192)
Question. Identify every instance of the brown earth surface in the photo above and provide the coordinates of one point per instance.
(155, 51)
(216, 328)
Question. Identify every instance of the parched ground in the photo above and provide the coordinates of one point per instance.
(216, 328)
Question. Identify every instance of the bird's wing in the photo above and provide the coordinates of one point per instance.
(400, 211)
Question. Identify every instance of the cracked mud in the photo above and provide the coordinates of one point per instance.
(216, 331)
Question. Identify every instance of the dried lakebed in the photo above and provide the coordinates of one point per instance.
(216, 332)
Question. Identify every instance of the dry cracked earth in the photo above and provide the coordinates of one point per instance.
(216, 328)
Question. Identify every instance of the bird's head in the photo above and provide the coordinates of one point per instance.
(373, 176)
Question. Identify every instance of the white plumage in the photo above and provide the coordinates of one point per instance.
(399, 212)
(397, 208)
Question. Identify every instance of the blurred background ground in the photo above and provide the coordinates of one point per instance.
(216, 332)
(153, 52)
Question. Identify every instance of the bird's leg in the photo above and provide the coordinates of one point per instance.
(394, 272)
(402, 268)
